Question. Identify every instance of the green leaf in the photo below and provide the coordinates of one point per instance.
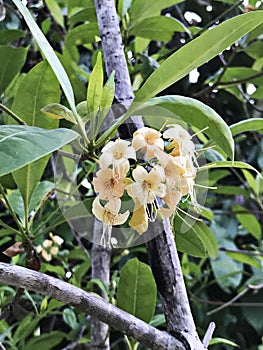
(10, 35)
(147, 8)
(194, 113)
(88, 14)
(246, 259)
(137, 290)
(188, 240)
(22, 145)
(38, 88)
(99, 283)
(58, 111)
(55, 11)
(49, 53)
(106, 100)
(159, 28)
(227, 164)
(255, 50)
(248, 221)
(46, 341)
(207, 238)
(95, 87)
(82, 34)
(222, 340)
(198, 52)
(254, 124)
(69, 318)
(11, 62)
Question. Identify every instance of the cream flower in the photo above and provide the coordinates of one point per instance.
(171, 199)
(109, 182)
(110, 216)
(147, 186)
(116, 152)
(148, 140)
(183, 139)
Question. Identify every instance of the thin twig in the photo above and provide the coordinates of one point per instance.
(12, 115)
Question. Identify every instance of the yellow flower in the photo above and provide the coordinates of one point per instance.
(110, 216)
(148, 140)
(109, 182)
(147, 186)
(139, 220)
(116, 152)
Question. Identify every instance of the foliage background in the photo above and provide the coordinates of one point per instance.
(231, 84)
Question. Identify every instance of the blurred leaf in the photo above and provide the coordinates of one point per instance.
(159, 28)
(137, 290)
(158, 320)
(55, 11)
(214, 341)
(226, 164)
(11, 62)
(48, 52)
(99, 283)
(88, 14)
(255, 50)
(146, 8)
(32, 142)
(246, 259)
(10, 35)
(46, 341)
(82, 34)
(198, 52)
(187, 239)
(248, 221)
(58, 111)
(193, 112)
(253, 124)
(69, 318)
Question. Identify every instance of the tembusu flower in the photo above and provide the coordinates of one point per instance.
(148, 140)
(110, 216)
(157, 184)
(147, 186)
(109, 182)
(116, 152)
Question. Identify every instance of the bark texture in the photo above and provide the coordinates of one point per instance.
(97, 307)
(165, 264)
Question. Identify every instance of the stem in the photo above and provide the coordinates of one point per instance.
(12, 115)
(11, 211)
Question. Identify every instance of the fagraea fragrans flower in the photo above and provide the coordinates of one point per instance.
(155, 170)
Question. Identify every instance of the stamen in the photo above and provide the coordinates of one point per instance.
(198, 132)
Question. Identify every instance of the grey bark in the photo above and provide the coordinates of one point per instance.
(89, 303)
(165, 264)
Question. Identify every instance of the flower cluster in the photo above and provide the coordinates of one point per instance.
(156, 170)
(50, 247)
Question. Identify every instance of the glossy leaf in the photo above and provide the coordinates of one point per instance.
(137, 290)
(222, 340)
(159, 28)
(11, 62)
(253, 124)
(194, 113)
(69, 318)
(82, 34)
(48, 52)
(246, 259)
(21, 145)
(198, 52)
(58, 111)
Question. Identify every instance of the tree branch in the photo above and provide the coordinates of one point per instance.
(89, 303)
